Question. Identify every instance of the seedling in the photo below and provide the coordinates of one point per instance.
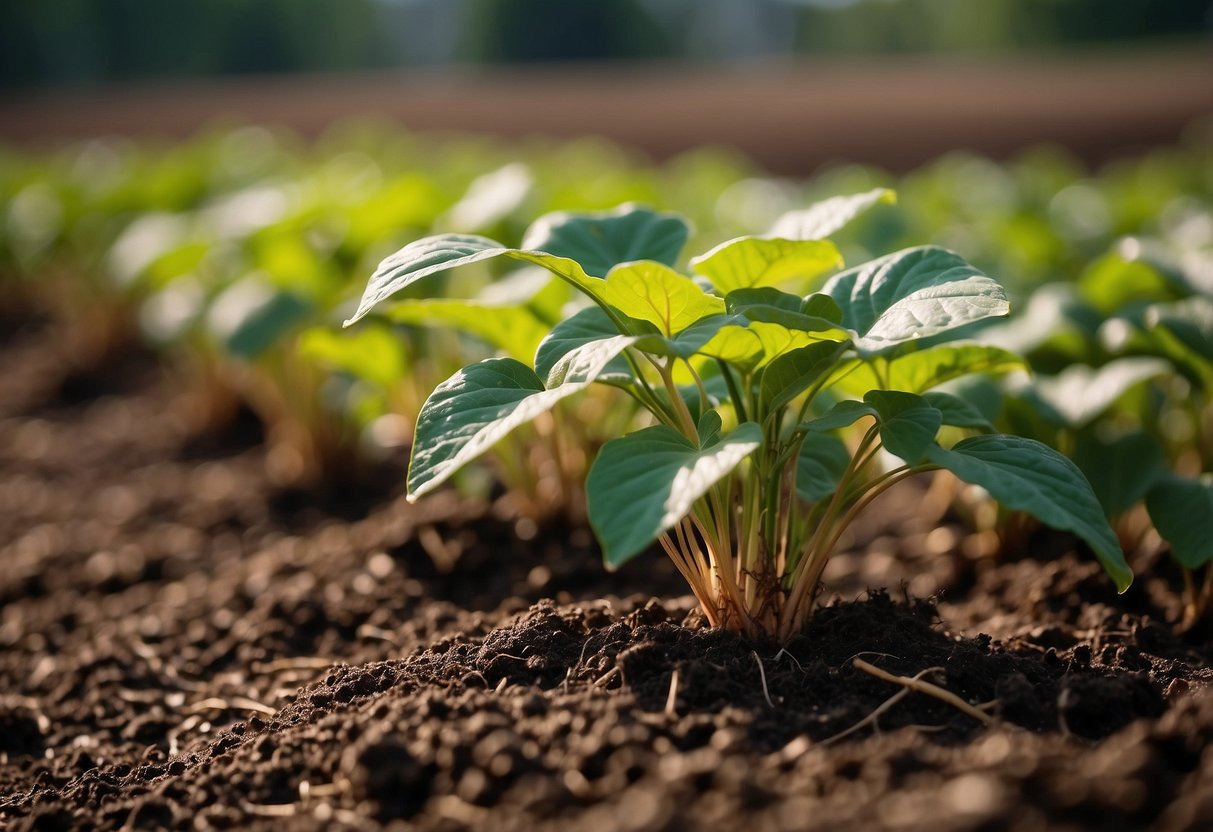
(743, 478)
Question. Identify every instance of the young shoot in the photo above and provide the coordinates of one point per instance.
(773, 380)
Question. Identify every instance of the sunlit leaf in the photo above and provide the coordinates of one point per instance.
(1080, 394)
(514, 330)
(922, 370)
(374, 354)
(753, 262)
(913, 294)
(829, 216)
(649, 291)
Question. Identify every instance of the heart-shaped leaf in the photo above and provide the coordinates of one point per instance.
(908, 423)
(648, 291)
(1182, 512)
(1079, 394)
(822, 461)
(842, 415)
(795, 371)
(914, 293)
(584, 248)
(752, 262)
(469, 412)
(956, 412)
(431, 255)
(770, 305)
(919, 371)
(757, 344)
(643, 483)
(1025, 475)
(588, 325)
(600, 241)
(1122, 470)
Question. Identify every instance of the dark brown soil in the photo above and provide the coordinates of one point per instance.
(184, 646)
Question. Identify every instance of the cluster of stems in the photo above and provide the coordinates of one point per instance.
(752, 551)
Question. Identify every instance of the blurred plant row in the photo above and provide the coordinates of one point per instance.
(237, 255)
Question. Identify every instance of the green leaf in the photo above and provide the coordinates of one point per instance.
(820, 305)
(692, 339)
(373, 354)
(1079, 394)
(1052, 320)
(1182, 512)
(649, 291)
(492, 198)
(431, 255)
(708, 428)
(249, 317)
(770, 305)
(469, 412)
(421, 259)
(1112, 282)
(1189, 320)
(919, 371)
(1183, 332)
(822, 461)
(789, 375)
(842, 415)
(755, 345)
(588, 325)
(913, 294)
(957, 412)
(1120, 471)
(827, 217)
(512, 329)
(1026, 475)
(599, 241)
(752, 262)
(644, 483)
(908, 423)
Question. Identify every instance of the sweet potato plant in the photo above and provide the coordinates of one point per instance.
(1131, 346)
(750, 368)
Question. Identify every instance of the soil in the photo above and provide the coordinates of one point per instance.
(184, 645)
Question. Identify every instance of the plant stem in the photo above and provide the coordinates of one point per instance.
(680, 406)
(734, 391)
(872, 491)
(653, 403)
(835, 504)
(801, 587)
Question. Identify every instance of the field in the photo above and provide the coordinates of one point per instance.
(218, 608)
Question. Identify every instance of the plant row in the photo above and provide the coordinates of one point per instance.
(739, 408)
